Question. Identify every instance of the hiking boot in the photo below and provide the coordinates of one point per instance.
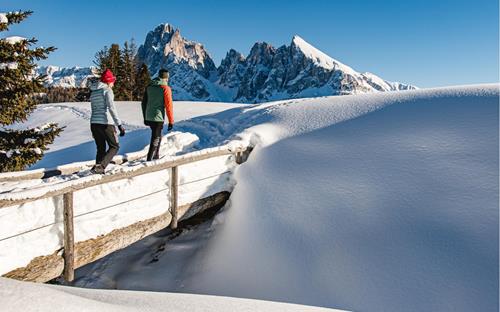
(97, 169)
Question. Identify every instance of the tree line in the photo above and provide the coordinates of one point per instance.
(132, 77)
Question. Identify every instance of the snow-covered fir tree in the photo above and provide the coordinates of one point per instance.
(128, 70)
(18, 98)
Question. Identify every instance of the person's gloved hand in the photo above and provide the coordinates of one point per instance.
(170, 126)
(122, 130)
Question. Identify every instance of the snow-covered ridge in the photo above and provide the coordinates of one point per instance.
(318, 56)
(295, 71)
(66, 77)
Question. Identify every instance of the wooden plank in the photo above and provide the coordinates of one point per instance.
(186, 159)
(45, 268)
(174, 192)
(69, 241)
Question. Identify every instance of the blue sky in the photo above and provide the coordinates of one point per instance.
(426, 43)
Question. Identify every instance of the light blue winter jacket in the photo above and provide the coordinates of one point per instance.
(103, 105)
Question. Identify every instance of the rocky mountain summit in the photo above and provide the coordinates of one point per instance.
(266, 73)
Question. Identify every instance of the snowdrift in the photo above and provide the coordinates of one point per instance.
(37, 297)
(383, 202)
(396, 210)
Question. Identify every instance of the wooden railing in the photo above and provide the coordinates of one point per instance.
(241, 154)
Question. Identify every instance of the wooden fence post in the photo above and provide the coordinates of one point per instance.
(69, 242)
(174, 190)
(239, 158)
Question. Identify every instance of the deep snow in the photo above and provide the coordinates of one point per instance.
(385, 202)
(380, 202)
(27, 297)
(394, 211)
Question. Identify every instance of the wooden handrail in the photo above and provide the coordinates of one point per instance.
(177, 161)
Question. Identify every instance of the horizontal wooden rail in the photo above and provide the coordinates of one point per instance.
(178, 161)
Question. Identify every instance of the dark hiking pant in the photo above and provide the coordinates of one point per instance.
(104, 134)
(154, 145)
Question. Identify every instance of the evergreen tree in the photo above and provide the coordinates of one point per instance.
(18, 91)
(115, 65)
(101, 59)
(123, 63)
(142, 81)
(114, 58)
(128, 71)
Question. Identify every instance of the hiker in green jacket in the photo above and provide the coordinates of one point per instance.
(157, 99)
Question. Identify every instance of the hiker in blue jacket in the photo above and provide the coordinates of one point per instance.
(102, 121)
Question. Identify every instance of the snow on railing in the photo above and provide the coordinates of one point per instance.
(67, 188)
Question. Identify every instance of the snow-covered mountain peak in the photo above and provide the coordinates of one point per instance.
(167, 28)
(266, 73)
(319, 57)
(66, 77)
(311, 52)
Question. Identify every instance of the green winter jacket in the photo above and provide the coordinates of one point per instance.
(157, 99)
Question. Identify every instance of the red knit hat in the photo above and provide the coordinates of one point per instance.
(108, 77)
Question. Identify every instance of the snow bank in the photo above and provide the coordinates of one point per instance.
(381, 202)
(39, 297)
(395, 210)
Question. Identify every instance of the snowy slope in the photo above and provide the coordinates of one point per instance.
(75, 144)
(383, 202)
(22, 296)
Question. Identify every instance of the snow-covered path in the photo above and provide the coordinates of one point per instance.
(75, 144)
